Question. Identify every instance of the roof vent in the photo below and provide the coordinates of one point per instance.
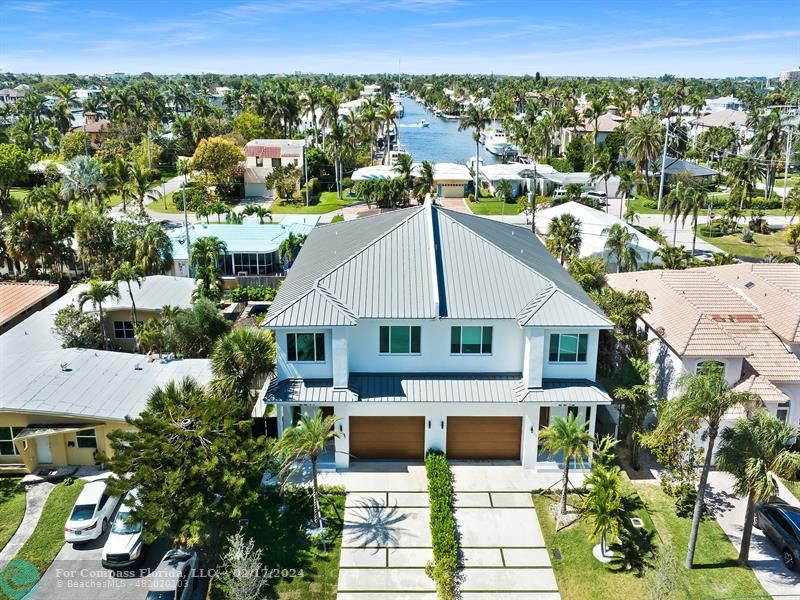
(64, 366)
(137, 367)
(749, 285)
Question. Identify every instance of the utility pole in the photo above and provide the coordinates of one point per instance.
(663, 165)
(530, 175)
(786, 164)
(305, 168)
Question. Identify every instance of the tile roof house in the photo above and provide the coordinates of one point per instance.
(744, 316)
(18, 300)
(427, 328)
(261, 156)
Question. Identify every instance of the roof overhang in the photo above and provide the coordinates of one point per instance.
(36, 431)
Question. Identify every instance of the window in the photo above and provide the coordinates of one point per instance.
(7, 434)
(86, 438)
(568, 347)
(124, 330)
(470, 340)
(305, 347)
(402, 339)
(259, 161)
(276, 162)
(783, 412)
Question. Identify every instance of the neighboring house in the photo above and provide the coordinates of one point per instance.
(262, 156)
(425, 328)
(735, 119)
(684, 168)
(252, 248)
(451, 180)
(723, 103)
(19, 300)
(9, 96)
(378, 172)
(745, 317)
(549, 181)
(57, 405)
(96, 128)
(491, 175)
(594, 224)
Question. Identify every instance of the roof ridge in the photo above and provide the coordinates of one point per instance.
(369, 244)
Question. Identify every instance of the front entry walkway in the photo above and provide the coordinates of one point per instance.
(386, 541)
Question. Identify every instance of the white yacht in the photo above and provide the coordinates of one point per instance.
(496, 143)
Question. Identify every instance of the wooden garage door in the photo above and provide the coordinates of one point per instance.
(387, 437)
(484, 437)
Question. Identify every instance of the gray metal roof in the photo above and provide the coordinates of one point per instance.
(154, 293)
(423, 263)
(554, 308)
(436, 387)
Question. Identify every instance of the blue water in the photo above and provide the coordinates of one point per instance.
(441, 141)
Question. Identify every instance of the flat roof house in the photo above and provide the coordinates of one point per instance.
(427, 328)
(261, 156)
(451, 180)
(745, 317)
(57, 405)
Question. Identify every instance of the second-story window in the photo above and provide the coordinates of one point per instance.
(470, 340)
(305, 347)
(400, 339)
(568, 347)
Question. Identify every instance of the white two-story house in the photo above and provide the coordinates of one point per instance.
(262, 156)
(426, 328)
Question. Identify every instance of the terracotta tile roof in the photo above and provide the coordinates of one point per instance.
(96, 127)
(767, 354)
(758, 384)
(16, 298)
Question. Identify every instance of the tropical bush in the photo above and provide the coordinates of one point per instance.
(443, 525)
(254, 293)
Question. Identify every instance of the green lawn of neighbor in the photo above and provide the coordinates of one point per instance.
(494, 206)
(167, 172)
(171, 206)
(638, 204)
(761, 245)
(12, 507)
(794, 487)
(303, 569)
(48, 537)
(325, 203)
(581, 577)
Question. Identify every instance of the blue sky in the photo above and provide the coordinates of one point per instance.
(555, 37)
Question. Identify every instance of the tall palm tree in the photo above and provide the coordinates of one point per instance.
(636, 403)
(564, 237)
(153, 250)
(370, 120)
(425, 178)
(705, 398)
(404, 167)
(119, 177)
(744, 171)
(755, 450)
(207, 250)
(129, 274)
(337, 136)
(691, 203)
(388, 116)
(219, 208)
(570, 438)
(140, 183)
(476, 118)
(99, 292)
(603, 169)
(83, 179)
(672, 205)
(644, 137)
(289, 248)
(768, 141)
(241, 360)
(625, 188)
(305, 441)
(603, 503)
(504, 190)
(618, 242)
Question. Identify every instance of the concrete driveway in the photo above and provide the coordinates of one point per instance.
(386, 540)
(765, 558)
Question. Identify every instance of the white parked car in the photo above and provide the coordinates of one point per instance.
(124, 547)
(175, 578)
(599, 197)
(91, 514)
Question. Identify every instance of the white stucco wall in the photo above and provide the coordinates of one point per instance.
(580, 370)
(304, 370)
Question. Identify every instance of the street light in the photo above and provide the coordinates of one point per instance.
(530, 175)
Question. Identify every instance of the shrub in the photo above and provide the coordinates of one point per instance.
(313, 186)
(443, 525)
(337, 219)
(470, 197)
(347, 183)
(253, 293)
(747, 235)
(77, 329)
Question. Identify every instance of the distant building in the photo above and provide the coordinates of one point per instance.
(262, 156)
(722, 103)
(96, 128)
(451, 180)
(790, 76)
(686, 168)
(9, 96)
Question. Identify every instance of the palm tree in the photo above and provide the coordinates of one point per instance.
(754, 450)
(674, 257)
(625, 188)
(691, 203)
(602, 170)
(564, 237)
(119, 179)
(370, 121)
(241, 360)
(654, 233)
(337, 136)
(768, 141)
(219, 208)
(570, 438)
(476, 118)
(98, 292)
(644, 136)
(589, 272)
(303, 442)
(603, 503)
(793, 236)
(257, 209)
(705, 398)
(792, 204)
(153, 250)
(404, 166)
(620, 243)
(129, 273)
(289, 248)
(744, 171)
(388, 117)
(207, 250)
(140, 181)
(636, 403)
(83, 179)
(504, 190)
(183, 168)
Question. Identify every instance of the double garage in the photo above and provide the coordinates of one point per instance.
(403, 438)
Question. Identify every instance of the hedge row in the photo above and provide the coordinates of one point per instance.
(443, 525)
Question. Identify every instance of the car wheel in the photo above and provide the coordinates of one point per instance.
(788, 559)
(105, 526)
(757, 521)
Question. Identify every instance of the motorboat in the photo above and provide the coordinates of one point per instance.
(496, 142)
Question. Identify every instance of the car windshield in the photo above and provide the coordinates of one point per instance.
(126, 523)
(82, 512)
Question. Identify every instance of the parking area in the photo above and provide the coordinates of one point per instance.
(386, 541)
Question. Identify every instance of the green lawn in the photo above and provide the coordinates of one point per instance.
(638, 204)
(494, 206)
(171, 207)
(794, 487)
(48, 537)
(305, 571)
(581, 577)
(327, 202)
(12, 507)
(761, 245)
(167, 172)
